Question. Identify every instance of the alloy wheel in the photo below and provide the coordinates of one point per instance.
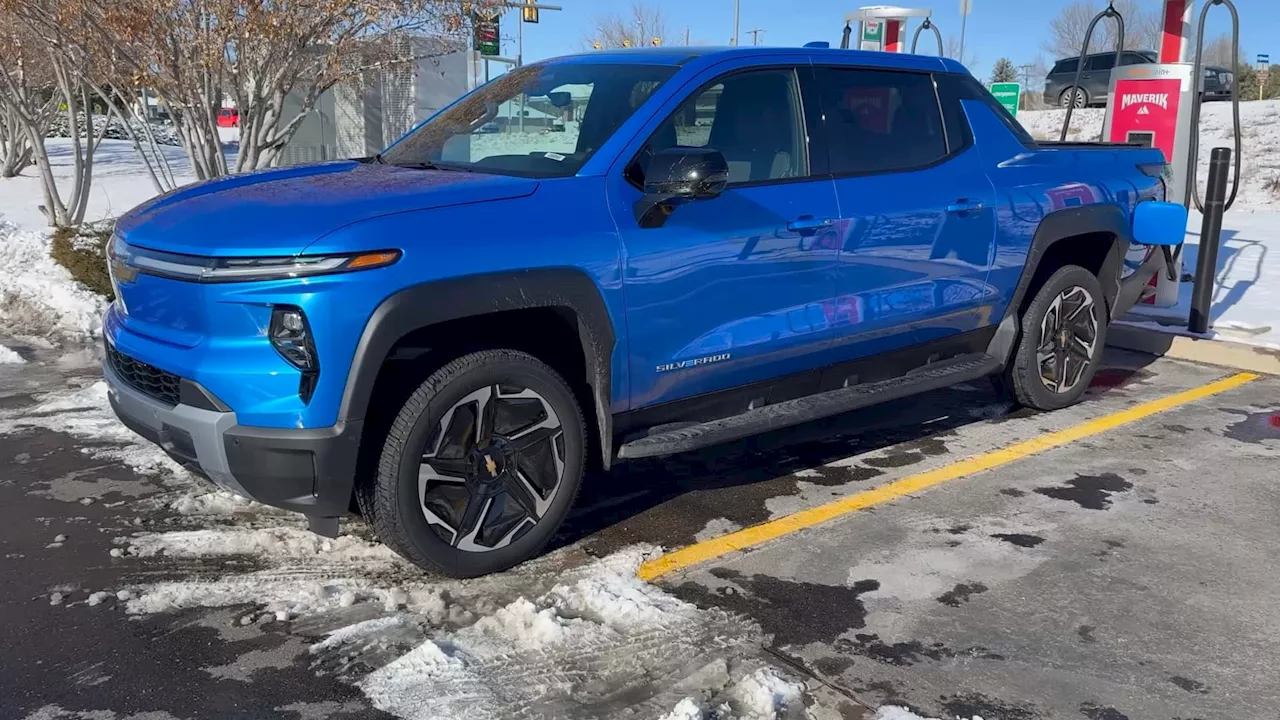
(1079, 99)
(1068, 336)
(491, 467)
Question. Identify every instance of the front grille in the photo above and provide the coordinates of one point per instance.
(147, 379)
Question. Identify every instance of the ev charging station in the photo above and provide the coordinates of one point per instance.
(882, 27)
(1158, 105)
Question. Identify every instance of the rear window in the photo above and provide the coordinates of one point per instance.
(1066, 66)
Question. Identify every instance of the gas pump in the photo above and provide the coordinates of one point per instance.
(1158, 105)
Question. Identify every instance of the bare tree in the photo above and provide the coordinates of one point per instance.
(1218, 52)
(54, 25)
(1142, 27)
(22, 67)
(952, 46)
(636, 29)
(274, 60)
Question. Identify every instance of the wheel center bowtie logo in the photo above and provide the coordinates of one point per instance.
(1161, 99)
(491, 465)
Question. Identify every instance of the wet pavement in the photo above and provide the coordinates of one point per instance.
(1124, 575)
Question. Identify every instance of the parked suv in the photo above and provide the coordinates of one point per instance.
(445, 336)
(1095, 82)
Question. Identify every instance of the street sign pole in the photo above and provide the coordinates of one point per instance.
(966, 6)
(1264, 69)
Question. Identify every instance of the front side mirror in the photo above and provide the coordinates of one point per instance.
(1159, 223)
(681, 174)
(560, 98)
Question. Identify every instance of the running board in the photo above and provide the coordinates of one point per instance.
(934, 376)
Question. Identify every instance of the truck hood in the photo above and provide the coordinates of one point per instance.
(280, 212)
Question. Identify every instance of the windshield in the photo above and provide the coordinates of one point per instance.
(536, 121)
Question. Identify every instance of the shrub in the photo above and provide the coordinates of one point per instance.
(83, 252)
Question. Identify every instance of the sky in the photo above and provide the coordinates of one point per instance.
(1016, 29)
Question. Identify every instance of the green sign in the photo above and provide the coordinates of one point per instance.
(485, 28)
(1008, 95)
(872, 30)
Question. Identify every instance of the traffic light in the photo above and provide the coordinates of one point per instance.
(597, 46)
(656, 42)
(529, 12)
(626, 43)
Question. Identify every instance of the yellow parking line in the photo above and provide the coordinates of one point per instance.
(758, 534)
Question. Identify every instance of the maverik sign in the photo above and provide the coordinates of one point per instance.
(1159, 99)
(1147, 113)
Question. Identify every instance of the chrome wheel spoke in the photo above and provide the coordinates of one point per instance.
(1068, 339)
(488, 469)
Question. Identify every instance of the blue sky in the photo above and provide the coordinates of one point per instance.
(1012, 28)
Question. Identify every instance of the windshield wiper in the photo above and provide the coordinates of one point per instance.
(428, 165)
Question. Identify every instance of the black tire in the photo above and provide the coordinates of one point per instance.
(392, 504)
(1068, 95)
(1053, 386)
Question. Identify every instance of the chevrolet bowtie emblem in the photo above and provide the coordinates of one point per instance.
(493, 466)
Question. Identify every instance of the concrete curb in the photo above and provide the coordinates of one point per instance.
(1182, 347)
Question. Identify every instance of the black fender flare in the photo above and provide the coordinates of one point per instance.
(1067, 223)
(431, 303)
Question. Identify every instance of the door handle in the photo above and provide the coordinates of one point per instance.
(965, 206)
(808, 224)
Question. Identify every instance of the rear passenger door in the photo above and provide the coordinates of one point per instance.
(1097, 77)
(917, 215)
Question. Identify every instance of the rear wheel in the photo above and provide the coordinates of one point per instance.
(481, 465)
(1063, 332)
(1074, 96)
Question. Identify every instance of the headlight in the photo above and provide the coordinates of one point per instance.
(199, 268)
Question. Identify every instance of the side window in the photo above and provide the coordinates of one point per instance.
(753, 118)
(1066, 66)
(1133, 58)
(879, 121)
(1101, 62)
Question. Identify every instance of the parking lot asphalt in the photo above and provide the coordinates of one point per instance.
(1126, 574)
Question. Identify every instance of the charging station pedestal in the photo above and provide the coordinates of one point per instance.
(1152, 105)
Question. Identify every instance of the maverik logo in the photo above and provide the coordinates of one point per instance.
(686, 364)
(1161, 99)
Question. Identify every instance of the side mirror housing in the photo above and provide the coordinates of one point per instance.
(1159, 223)
(677, 176)
(683, 174)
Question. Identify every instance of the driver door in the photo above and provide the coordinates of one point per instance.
(735, 291)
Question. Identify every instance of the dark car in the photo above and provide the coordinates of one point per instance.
(1095, 81)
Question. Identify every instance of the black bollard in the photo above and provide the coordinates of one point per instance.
(1210, 236)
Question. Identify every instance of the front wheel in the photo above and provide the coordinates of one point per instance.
(481, 466)
(1063, 332)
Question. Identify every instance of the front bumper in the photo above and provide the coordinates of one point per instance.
(310, 471)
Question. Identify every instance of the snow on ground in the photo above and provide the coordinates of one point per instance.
(37, 295)
(9, 357)
(1246, 295)
(562, 632)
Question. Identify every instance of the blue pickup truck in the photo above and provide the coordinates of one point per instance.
(606, 257)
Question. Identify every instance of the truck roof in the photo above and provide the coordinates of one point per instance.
(681, 55)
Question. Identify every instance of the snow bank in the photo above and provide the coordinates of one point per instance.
(1260, 140)
(893, 712)
(9, 357)
(37, 295)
